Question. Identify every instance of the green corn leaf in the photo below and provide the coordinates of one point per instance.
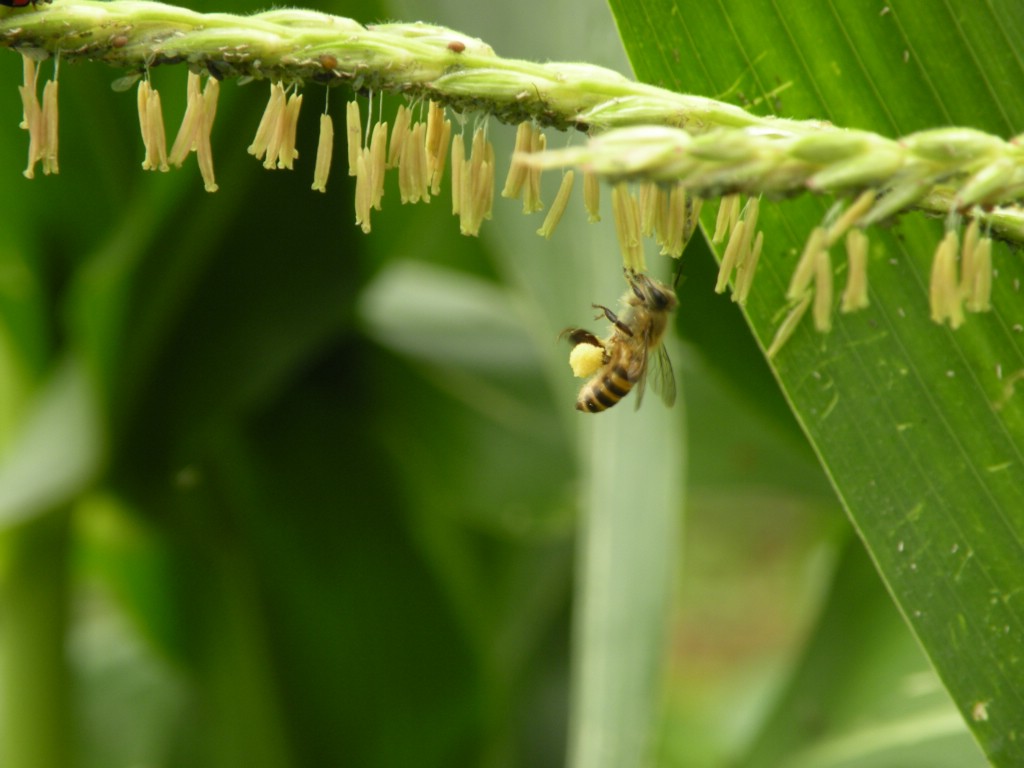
(918, 426)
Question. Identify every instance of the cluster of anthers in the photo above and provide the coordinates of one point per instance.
(665, 209)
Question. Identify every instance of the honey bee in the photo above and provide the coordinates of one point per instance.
(621, 362)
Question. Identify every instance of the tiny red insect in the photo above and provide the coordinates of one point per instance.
(22, 3)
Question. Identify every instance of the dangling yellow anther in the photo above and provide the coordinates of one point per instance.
(353, 136)
(855, 295)
(592, 196)
(823, 291)
(403, 118)
(324, 152)
(49, 128)
(517, 170)
(745, 272)
(32, 116)
(796, 314)
(267, 129)
(558, 206)
(945, 297)
(626, 212)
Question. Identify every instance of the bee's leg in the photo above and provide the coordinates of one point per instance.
(613, 319)
(580, 336)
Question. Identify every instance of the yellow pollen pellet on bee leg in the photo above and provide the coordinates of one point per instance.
(585, 359)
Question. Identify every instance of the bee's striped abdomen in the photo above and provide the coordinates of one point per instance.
(611, 384)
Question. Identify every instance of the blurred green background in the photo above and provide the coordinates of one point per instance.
(277, 493)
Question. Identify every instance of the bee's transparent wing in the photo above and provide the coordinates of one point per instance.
(663, 380)
(641, 382)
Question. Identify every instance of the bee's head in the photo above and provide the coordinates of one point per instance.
(650, 293)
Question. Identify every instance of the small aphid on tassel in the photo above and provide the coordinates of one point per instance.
(353, 135)
(557, 208)
(823, 291)
(268, 126)
(855, 295)
(49, 127)
(592, 196)
(324, 152)
(796, 314)
(745, 273)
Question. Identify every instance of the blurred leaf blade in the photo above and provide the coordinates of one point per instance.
(58, 451)
(916, 425)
